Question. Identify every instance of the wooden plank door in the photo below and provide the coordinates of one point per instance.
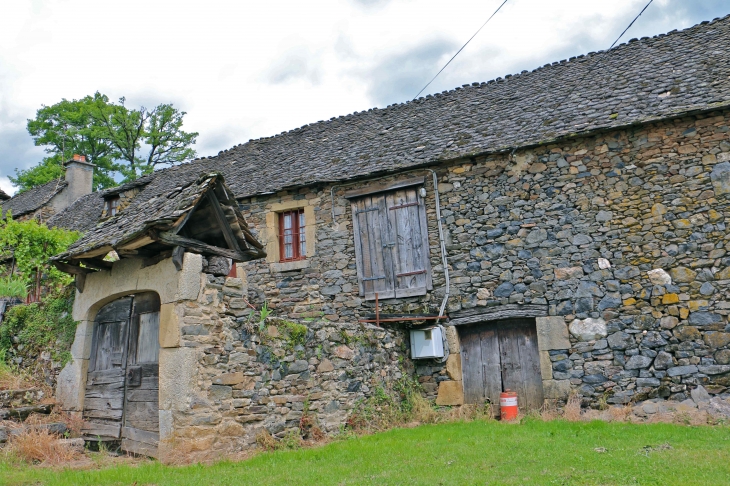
(520, 360)
(104, 394)
(501, 355)
(141, 429)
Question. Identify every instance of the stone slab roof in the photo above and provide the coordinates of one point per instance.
(638, 82)
(82, 215)
(33, 199)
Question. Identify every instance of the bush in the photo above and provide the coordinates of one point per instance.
(45, 326)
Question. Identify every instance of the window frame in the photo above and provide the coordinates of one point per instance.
(297, 234)
(111, 206)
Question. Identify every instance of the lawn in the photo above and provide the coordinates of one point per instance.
(531, 453)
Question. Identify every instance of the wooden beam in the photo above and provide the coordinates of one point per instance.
(80, 281)
(223, 222)
(508, 311)
(72, 269)
(97, 263)
(373, 188)
(204, 248)
(177, 257)
(136, 243)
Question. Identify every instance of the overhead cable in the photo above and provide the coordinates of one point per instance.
(462, 48)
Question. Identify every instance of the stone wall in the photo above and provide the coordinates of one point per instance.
(246, 375)
(621, 235)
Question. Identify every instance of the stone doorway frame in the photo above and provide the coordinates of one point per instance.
(552, 335)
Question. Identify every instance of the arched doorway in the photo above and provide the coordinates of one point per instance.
(122, 387)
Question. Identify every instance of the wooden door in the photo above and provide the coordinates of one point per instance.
(141, 429)
(498, 356)
(104, 395)
(122, 388)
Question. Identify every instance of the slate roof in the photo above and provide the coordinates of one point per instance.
(82, 215)
(4, 196)
(33, 199)
(641, 81)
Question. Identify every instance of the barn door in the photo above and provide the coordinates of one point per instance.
(141, 429)
(499, 356)
(121, 396)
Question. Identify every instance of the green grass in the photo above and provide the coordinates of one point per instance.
(532, 453)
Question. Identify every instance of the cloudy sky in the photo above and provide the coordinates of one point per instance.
(244, 70)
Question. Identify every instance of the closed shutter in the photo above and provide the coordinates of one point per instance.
(372, 247)
(391, 244)
(407, 218)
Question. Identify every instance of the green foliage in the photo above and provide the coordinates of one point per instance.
(110, 135)
(13, 287)
(31, 244)
(49, 169)
(297, 333)
(263, 314)
(45, 326)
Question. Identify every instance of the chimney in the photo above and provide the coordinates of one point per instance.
(80, 178)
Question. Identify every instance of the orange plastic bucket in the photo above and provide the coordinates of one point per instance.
(508, 405)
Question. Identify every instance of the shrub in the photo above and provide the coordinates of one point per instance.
(13, 287)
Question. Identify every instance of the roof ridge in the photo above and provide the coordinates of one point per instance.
(474, 85)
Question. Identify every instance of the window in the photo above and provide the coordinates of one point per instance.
(391, 243)
(112, 206)
(292, 239)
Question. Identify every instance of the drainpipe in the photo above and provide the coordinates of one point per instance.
(444, 262)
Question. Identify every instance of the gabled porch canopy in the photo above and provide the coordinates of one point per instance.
(200, 216)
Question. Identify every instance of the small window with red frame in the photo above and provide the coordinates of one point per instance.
(292, 243)
(112, 206)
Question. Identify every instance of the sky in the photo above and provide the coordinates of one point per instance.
(243, 70)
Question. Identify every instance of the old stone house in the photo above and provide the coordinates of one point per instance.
(565, 227)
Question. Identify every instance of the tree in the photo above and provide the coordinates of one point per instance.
(67, 128)
(118, 140)
(158, 131)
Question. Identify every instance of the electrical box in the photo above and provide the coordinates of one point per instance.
(427, 343)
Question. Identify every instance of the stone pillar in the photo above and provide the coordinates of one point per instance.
(452, 392)
(552, 334)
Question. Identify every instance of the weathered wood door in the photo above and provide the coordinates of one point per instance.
(498, 356)
(122, 385)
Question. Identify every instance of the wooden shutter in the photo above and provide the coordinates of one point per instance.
(373, 247)
(407, 224)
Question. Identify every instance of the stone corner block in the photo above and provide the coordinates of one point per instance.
(546, 366)
(450, 393)
(453, 367)
(552, 333)
(452, 338)
(188, 287)
(169, 326)
(556, 389)
(71, 384)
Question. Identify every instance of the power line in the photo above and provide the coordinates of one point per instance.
(597, 63)
(462, 48)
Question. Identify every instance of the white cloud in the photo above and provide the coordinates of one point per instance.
(249, 69)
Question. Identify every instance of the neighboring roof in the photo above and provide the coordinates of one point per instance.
(82, 215)
(640, 81)
(33, 199)
(162, 205)
(4, 196)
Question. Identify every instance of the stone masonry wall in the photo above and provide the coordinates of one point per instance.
(621, 235)
(251, 376)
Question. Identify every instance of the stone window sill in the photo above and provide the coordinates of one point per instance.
(289, 266)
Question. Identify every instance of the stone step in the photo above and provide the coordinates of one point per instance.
(20, 398)
(57, 428)
(21, 413)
